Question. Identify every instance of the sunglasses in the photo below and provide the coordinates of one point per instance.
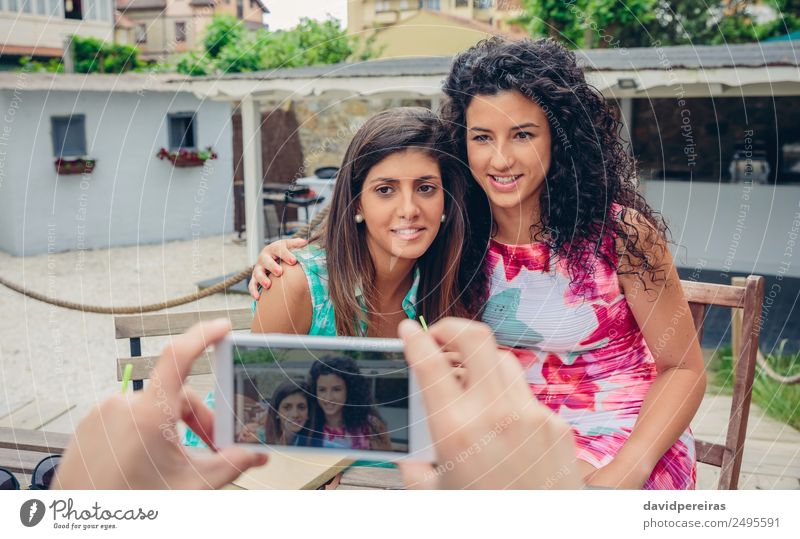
(40, 480)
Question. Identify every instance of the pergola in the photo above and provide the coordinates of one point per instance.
(761, 69)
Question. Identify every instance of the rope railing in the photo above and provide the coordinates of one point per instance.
(304, 231)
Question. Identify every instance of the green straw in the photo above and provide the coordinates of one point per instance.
(422, 321)
(126, 376)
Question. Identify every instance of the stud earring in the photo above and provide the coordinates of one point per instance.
(444, 218)
(359, 218)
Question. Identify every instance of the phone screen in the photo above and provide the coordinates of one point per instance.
(336, 399)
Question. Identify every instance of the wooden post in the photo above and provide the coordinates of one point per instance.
(253, 177)
(736, 326)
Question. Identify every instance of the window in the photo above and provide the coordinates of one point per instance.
(27, 6)
(382, 6)
(239, 9)
(181, 131)
(483, 4)
(141, 33)
(72, 9)
(430, 4)
(69, 135)
(180, 32)
(462, 3)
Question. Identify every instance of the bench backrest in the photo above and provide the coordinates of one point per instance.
(749, 298)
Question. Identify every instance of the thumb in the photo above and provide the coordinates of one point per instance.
(227, 465)
(419, 475)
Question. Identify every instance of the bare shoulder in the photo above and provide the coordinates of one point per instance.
(286, 306)
(641, 246)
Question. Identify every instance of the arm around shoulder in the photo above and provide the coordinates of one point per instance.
(286, 306)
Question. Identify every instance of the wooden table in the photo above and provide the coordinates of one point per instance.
(22, 449)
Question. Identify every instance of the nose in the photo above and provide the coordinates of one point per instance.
(408, 207)
(502, 156)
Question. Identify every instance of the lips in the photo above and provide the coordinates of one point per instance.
(408, 233)
(506, 182)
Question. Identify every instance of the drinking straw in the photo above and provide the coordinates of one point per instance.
(126, 376)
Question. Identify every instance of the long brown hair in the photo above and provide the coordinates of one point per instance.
(349, 262)
(273, 431)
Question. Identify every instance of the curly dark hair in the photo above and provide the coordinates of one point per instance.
(359, 409)
(590, 173)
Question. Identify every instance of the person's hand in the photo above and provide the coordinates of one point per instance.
(267, 263)
(249, 434)
(131, 441)
(489, 432)
(617, 474)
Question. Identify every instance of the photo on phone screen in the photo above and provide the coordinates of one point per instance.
(337, 399)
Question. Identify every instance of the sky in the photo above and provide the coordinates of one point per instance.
(286, 13)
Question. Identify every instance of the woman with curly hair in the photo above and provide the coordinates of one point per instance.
(574, 268)
(344, 415)
(568, 264)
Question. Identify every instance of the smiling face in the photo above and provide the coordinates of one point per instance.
(402, 201)
(293, 412)
(331, 394)
(508, 147)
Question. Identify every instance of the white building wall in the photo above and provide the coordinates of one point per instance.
(41, 23)
(131, 197)
(731, 228)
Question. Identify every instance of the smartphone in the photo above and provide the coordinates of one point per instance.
(345, 395)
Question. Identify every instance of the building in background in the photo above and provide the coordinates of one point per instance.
(40, 28)
(431, 27)
(373, 14)
(166, 27)
(130, 196)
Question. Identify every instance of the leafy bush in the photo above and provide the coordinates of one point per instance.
(781, 401)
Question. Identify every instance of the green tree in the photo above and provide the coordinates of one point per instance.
(641, 23)
(231, 48)
(223, 30)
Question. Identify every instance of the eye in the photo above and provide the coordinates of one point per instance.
(384, 190)
(427, 188)
(480, 138)
(524, 135)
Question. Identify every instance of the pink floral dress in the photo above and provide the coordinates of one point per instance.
(584, 354)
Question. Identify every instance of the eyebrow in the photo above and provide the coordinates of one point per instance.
(395, 180)
(516, 127)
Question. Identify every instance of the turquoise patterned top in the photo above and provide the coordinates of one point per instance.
(312, 259)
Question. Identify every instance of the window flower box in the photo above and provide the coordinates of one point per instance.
(74, 166)
(187, 158)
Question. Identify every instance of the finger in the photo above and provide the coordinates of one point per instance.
(437, 382)
(476, 344)
(252, 287)
(419, 475)
(260, 275)
(178, 356)
(287, 256)
(513, 378)
(199, 418)
(223, 467)
(272, 266)
(296, 243)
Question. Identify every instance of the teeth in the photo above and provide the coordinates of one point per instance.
(407, 231)
(504, 179)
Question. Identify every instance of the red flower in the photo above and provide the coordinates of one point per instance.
(567, 385)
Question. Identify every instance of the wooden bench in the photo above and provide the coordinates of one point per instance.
(749, 298)
(727, 456)
(135, 327)
(22, 449)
